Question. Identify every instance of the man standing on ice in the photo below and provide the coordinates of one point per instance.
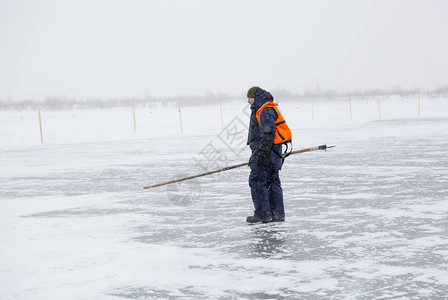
(266, 159)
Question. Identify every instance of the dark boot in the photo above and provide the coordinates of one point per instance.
(253, 219)
(278, 220)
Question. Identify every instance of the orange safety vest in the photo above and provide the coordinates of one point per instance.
(282, 132)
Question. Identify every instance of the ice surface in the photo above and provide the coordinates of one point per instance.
(367, 219)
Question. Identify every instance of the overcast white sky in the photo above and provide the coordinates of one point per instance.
(112, 48)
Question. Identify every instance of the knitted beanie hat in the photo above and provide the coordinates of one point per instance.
(252, 91)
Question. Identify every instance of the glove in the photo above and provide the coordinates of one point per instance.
(261, 158)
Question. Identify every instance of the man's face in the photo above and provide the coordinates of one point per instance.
(250, 100)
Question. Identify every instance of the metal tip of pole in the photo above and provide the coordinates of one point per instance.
(325, 147)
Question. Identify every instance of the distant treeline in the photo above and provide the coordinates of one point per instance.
(212, 98)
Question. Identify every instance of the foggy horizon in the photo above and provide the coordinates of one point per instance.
(117, 49)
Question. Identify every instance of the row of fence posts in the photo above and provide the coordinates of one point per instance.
(379, 108)
(133, 116)
(222, 119)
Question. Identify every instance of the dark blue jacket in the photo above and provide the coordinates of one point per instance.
(257, 133)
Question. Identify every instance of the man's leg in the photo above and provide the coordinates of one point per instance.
(258, 182)
(276, 198)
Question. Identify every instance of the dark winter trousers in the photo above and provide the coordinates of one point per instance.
(267, 193)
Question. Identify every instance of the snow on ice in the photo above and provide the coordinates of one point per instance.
(367, 219)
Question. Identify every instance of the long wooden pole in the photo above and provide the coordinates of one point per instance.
(40, 125)
(196, 176)
(321, 147)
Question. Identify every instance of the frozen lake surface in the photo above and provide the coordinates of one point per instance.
(365, 220)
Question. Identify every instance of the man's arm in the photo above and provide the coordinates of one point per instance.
(267, 131)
